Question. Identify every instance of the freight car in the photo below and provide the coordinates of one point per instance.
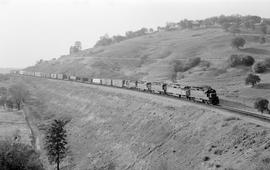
(60, 76)
(96, 81)
(72, 78)
(54, 76)
(118, 83)
(107, 82)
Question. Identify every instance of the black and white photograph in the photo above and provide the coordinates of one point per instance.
(134, 85)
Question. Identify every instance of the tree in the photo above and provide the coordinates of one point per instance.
(56, 142)
(248, 60)
(3, 96)
(236, 60)
(238, 42)
(19, 94)
(18, 156)
(252, 79)
(261, 104)
(259, 67)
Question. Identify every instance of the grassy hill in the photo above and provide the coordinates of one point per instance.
(164, 56)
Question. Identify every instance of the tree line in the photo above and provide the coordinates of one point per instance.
(231, 23)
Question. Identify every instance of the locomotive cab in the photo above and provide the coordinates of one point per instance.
(213, 98)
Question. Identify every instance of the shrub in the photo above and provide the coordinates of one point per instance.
(184, 66)
(18, 156)
(259, 67)
(252, 79)
(261, 104)
(236, 60)
(238, 42)
(248, 60)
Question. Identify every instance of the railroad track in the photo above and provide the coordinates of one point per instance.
(219, 107)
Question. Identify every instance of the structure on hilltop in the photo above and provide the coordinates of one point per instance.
(76, 48)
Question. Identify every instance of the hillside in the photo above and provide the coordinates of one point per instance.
(124, 129)
(157, 57)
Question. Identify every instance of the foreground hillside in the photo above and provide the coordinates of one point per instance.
(121, 129)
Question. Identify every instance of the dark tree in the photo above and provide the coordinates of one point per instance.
(259, 67)
(252, 79)
(19, 94)
(18, 156)
(238, 42)
(248, 60)
(56, 142)
(261, 104)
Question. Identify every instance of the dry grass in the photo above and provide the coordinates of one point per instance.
(109, 128)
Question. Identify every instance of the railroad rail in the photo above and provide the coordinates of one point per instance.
(219, 107)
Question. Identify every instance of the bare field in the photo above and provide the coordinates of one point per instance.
(113, 130)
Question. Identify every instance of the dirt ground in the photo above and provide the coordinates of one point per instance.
(13, 125)
(111, 130)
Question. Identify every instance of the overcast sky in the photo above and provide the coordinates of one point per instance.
(43, 29)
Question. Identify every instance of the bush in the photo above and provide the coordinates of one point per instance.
(259, 67)
(18, 156)
(184, 66)
(252, 79)
(238, 42)
(236, 60)
(261, 104)
(248, 60)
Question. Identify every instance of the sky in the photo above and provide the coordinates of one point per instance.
(31, 30)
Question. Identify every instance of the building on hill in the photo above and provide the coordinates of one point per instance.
(76, 48)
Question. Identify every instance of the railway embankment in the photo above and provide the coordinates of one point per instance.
(125, 130)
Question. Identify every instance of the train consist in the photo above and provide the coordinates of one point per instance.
(200, 94)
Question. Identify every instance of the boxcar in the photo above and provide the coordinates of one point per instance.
(60, 76)
(37, 74)
(43, 75)
(178, 90)
(65, 77)
(97, 81)
(21, 72)
(54, 76)
(107, 82)
(47, 75)
(72, 78)
(118, 83)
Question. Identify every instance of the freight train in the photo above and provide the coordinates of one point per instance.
(204, 94)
